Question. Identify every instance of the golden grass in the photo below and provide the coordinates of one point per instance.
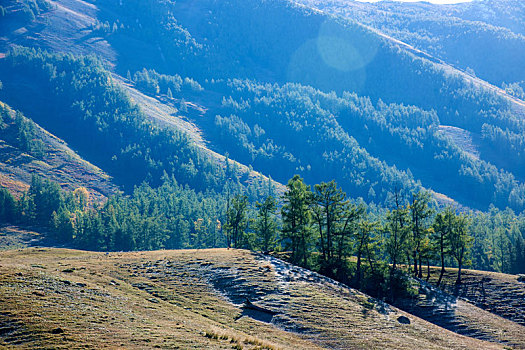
(174, 299)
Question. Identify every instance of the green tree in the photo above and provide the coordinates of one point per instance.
(329, 211)
(443, 225)
(296, 216)
(365, 241)
(420, 214)
(236, 221)
(397, 228)
(460, 242)
(7, 207)
(336, 221)
(266, 224)
(518, 265)
(63, 226)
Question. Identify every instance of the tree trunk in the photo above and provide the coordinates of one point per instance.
(305, 256)
(460, 263)
(442, 272)
(369, 257)
(323, 247)
(358, 271)
(394, 261)
(392, 271)
(415, 263)
(428, 269)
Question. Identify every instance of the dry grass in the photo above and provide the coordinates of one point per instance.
(498, 293)
(183, 299)
(12, 237)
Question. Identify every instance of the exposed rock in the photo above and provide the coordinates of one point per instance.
(403, 320)
(57, 331)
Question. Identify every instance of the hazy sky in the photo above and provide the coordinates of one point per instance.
(432, 1)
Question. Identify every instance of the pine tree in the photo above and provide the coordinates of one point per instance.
(398, 230)
(236, 221)
(63, 226)
(266, 224)
(460, 243)
(366, 241)
(7, 207)
(420, 213)
(182, 106)
(296, 216)
(329, 209)
(443, 225)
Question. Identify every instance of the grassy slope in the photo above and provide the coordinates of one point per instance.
(13, 237)
(60, 164)
(171, 299)
(496, 292)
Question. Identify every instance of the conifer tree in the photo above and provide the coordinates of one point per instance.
(365, 241)
(443, 225)
(420, 214)
(460, 243)
(296, 216)
(266, 224)
(397, 229)
(236, 221)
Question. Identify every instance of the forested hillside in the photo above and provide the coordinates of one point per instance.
(181, 39)
(484, 38)
(291, 43)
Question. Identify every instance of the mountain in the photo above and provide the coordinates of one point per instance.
(482, 37)
(278, 43)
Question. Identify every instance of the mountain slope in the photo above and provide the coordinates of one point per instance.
(164, 112)
(69, 26)
(485, 37)
(185, 40)
(55, 161)
(192, 299)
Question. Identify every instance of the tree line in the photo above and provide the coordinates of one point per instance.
(322, 229)
(170, 216)
(319, 228)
